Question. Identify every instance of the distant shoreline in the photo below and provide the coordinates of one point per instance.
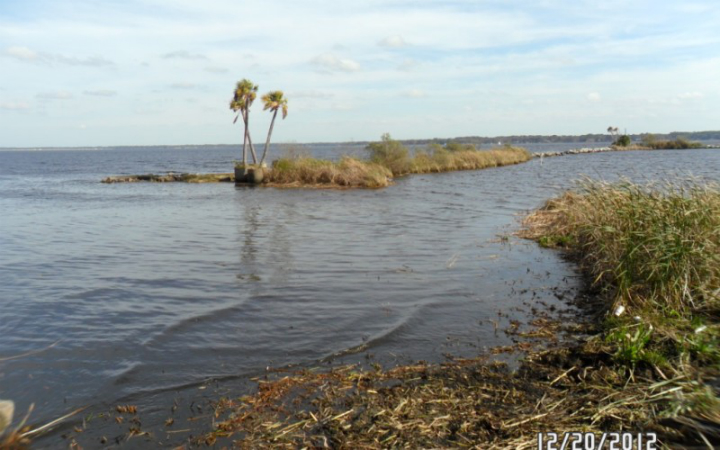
(582, 140)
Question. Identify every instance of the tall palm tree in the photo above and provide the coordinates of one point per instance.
(274, 101)
(243, 98)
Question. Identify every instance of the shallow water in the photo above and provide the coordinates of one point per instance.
(154, 288)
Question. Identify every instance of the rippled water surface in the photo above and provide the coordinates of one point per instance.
(151, 288)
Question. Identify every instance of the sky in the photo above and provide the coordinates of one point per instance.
(162, 72)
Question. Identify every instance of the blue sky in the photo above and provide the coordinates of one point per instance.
(151, 72)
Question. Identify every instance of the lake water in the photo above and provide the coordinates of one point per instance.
(151, 290)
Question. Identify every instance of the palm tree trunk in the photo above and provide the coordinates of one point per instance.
(245, 139)
(267, 143)
(252, 148)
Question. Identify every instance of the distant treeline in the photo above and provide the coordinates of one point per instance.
(539, 139)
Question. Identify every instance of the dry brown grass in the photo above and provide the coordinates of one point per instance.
(441, 160)
(346, 173)
(386, 163)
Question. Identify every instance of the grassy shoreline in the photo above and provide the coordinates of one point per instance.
(652, 252)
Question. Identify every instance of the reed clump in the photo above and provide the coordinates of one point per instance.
(346, 173)
(648, 246)
(676, 144)
(436, 158)
(440, 159)
(652, 253)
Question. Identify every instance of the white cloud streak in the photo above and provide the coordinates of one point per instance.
(27, 55)
(184, 54)
(14, 106)
(331, 63)
(57, 95)
(100, 93)
(393, 42)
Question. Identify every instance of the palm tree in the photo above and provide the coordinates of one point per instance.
(243, 98)
(273, 101)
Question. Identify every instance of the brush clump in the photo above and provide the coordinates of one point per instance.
(655, 245)
(346, 173)
(436, 158)
(652, 254)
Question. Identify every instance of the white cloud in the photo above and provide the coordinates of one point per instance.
(92, 61)
(100, 93)
(393, 42)
(183, 54)
(408, 65)
(332, 63)
(57, 95)
(216, 70)
(690, 96)
(21, 53)
(14, 106)
(311, 94)
(594, 97)
(28, 55)
(184, 85)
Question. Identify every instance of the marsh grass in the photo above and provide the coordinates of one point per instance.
(388, 159)
(677, 144)
(436, 158)
(655, 246)
(442, 160)
(653, 253)
(346, 173)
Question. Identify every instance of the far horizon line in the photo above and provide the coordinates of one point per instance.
(558, 138)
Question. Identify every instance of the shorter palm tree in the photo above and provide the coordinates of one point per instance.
(274, 101)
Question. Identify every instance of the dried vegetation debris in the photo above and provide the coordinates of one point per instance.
(470, 403)
(173, 177)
